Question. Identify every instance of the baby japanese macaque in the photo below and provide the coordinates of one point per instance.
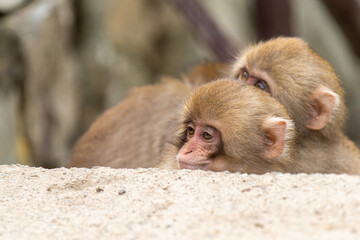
(223, 125)
(132, 134)
(135, 133)
(229, 125)
(309, 89)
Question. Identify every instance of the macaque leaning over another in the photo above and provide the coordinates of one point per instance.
(229, 125)
(132, 134)
(288, 70)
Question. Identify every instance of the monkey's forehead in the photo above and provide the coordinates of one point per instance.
(277, 56)
(287, 47)
(283, 51)
(228, 93)
(230, 99)
(287, 61)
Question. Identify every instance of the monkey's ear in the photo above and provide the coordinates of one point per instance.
(275, 135)
(323, 102)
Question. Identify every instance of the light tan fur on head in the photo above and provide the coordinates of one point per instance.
(205, 73)
(308, 87)
(243, 115)
(294, 72)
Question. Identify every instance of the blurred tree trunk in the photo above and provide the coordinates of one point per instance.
(347, 15)
(40, 69)
(206, 28)
(8, 6)
(273, 18)
(14, 143)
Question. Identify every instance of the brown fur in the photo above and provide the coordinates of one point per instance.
(238, 111)
(132, 134)
(206, 72)
(295, 74)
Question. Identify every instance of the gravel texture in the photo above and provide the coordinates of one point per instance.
(105, 203)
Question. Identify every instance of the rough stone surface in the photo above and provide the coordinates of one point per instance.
(105, 203)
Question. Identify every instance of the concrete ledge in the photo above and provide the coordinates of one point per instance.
(104, 203)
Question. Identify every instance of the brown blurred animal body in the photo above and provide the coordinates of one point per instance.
(206, 72)
(132, 133)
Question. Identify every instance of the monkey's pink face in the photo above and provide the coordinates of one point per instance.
(202, 145)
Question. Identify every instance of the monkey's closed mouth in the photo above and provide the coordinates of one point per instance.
(204, 166)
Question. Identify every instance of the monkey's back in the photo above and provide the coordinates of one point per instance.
(132, 133)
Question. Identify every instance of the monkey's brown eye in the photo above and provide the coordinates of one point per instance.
(190, 131)
(207, 136)
(262, 85)
(244, 75)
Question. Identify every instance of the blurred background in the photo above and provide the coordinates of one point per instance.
(62, 62)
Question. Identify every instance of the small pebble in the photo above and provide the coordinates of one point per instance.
(121, 191)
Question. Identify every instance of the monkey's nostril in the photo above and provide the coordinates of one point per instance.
(188, 152)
